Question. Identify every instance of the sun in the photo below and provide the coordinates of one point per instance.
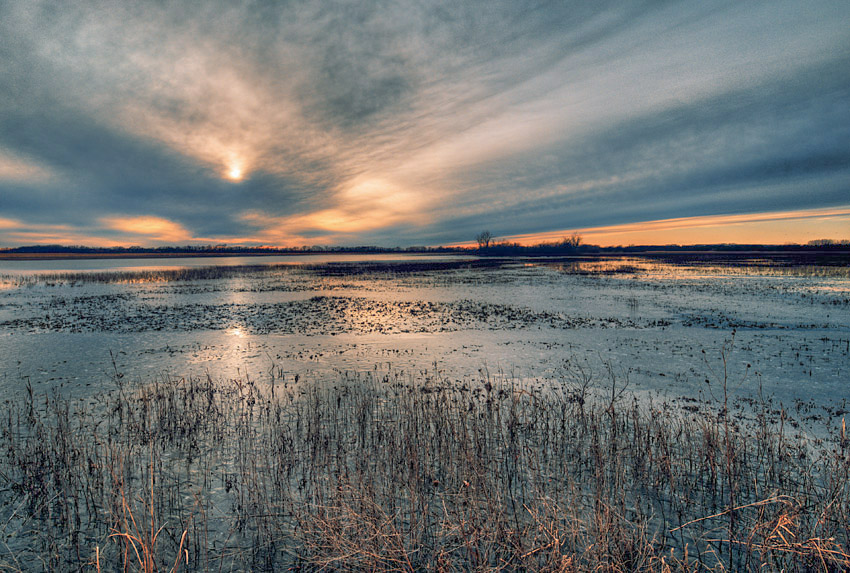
(235, 173)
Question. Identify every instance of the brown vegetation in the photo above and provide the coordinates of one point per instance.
(385, 472)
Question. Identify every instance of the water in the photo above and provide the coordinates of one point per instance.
(70, 326)
(27, 267)
(678, 330)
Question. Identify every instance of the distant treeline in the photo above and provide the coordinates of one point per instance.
(550, 249)
(216, 250)
(495, 248)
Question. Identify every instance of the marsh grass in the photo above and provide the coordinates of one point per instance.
(383, 471)
(211, 272)
(216, 272)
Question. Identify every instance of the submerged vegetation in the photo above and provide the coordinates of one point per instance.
(384, 471)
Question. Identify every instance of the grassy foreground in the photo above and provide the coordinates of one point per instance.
(385, 472)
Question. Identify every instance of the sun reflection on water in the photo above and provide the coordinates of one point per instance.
(236, 331)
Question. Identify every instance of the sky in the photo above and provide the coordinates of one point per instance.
(423, 122)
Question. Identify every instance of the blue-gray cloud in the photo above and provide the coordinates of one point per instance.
(410, 123)
(777, 145)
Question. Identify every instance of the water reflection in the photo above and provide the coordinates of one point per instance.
(654, 269)
(153, 265)
(236, 331)
(654, 316)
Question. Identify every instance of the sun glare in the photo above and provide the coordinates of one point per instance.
(236, 331)
(235, 173)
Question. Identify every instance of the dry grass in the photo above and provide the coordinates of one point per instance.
(384, 472)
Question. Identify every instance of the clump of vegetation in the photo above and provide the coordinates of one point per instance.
(216, 272)
(380, 471)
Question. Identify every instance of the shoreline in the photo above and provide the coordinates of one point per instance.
(649, 253)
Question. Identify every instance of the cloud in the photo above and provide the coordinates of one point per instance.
(16, 169)
(20, 232)
(107, 231)
(403, 122)
(735, 151)
(152, 228)
(367, 205)
(9, 224)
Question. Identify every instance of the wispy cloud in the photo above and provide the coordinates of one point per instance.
(10, 224)
(403, 122)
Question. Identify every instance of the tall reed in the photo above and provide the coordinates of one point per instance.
(384, 471)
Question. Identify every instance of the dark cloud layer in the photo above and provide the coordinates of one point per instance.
(410, 123)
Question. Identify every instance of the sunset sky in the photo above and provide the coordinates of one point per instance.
(423, 122)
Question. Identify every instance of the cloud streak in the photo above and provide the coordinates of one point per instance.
(409, 123)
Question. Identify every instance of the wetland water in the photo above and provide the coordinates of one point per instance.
(182, 392)
(66, 326)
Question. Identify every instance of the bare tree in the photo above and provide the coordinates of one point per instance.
(574, 240)
(484, 238)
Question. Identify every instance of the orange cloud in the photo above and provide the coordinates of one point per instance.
(366, 205)
(39, 237)
(152, 228)
(21, 233)
(9, 224)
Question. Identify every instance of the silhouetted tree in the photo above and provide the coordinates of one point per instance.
(484, 238)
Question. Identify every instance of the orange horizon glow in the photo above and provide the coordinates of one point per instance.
(767, 228)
